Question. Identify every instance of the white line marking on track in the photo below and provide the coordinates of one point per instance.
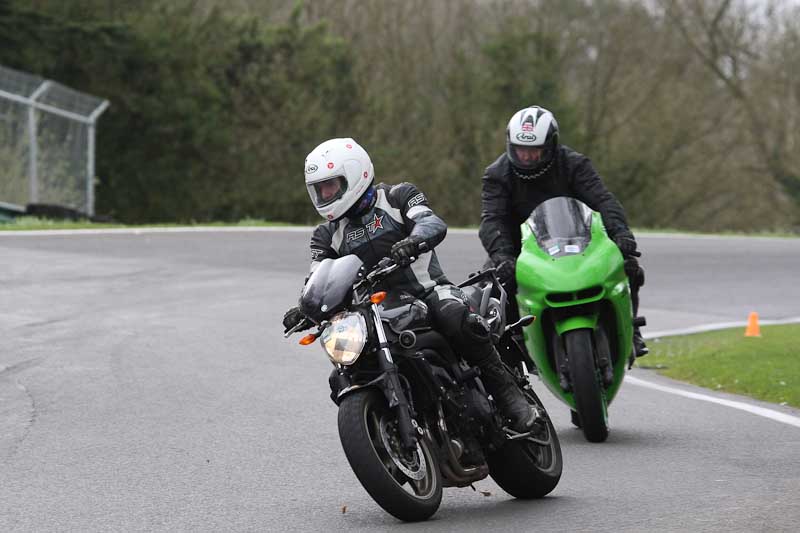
(753, 409)
(191, 229)
(717, 326)
(294, 229)
(143, 231)
(706, 236)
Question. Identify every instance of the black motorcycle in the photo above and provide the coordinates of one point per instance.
(413, 416)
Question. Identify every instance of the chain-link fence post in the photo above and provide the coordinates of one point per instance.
(33, 148)
(49, 129)
(90, 167)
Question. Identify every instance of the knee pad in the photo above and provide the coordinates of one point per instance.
(456, 322)
(475, 328)
(449, 317)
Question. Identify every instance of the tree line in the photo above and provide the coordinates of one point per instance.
(690, 109)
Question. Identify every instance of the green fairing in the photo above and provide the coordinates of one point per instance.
(599, 265)
(576, 322)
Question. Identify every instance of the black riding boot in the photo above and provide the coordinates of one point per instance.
(639, 347)
(500, 384)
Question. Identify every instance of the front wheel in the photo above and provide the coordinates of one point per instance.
(530, 467)
(407, 484)
(590, 400)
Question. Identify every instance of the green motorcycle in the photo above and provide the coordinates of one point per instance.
(571, 278)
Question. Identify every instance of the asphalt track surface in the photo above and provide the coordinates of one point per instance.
(145, 386)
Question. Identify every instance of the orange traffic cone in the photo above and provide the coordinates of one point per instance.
(752, 326)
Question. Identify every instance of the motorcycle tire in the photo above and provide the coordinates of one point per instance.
(406, 485)
(589, 396)
(526, 469)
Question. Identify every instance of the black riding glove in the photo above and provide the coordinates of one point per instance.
(292, 318)
(506, 266)
(626, 244)
(406, 251)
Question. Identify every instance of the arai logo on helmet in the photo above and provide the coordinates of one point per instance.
(526, 136)
(310, 169)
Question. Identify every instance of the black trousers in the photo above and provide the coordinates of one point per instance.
(467, 332)
(635, 274)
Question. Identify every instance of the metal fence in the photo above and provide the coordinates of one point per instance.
(47, 143)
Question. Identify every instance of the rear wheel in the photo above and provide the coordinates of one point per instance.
(407, 484)
(590, 399)
(530, 467)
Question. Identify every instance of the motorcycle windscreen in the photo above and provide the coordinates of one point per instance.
(330, 287)
(562, 226)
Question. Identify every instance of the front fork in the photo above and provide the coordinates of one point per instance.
(393, 389)
(601, 355)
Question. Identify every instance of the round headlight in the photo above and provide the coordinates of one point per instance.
(345, 337)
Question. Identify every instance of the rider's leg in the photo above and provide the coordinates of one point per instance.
(469, 335)
(636, 278)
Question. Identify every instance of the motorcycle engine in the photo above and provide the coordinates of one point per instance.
(478, 409)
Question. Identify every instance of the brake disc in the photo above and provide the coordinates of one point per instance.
(415, 469)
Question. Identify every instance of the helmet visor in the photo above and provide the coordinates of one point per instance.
(327, 191)
(529, 157)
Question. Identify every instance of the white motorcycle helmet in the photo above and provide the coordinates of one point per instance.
(337, 172)
(532, 127)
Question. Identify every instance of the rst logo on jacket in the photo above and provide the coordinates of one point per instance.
(355, 234)
(376, 224)
(416, 200)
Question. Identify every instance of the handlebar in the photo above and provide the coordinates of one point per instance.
(387, 265)
(300, 326)
(384, 267)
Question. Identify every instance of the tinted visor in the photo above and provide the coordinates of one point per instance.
(529, 157)
(328, 191)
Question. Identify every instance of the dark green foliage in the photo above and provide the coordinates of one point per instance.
(522, 66)
(291, 88)
(214, 105)
(209, 120)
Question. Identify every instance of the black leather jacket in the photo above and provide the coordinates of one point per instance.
(507, 199)
(397, 212)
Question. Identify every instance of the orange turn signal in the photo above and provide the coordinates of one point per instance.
(308, 339)
(378, 297)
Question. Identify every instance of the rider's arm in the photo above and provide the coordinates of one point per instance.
(420, 220)
(587, 186)
(495, 230)
(321, 246)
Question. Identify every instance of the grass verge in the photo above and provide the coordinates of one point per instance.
(34, 223)
(766, 368)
